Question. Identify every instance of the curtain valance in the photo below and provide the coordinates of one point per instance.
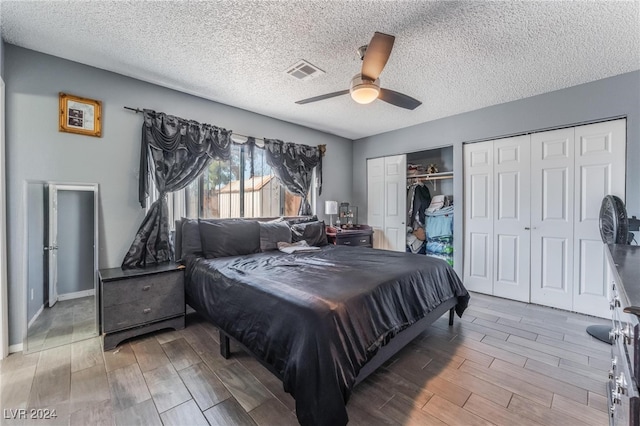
(179, 151)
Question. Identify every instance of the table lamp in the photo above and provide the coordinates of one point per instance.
(330, 208)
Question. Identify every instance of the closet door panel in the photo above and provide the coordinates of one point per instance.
(552, 206)
(395, 202)
(511, 171)
(478, 198)
(375, 200)
(599, 171)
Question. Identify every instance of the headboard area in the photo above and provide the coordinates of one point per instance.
(232, 236)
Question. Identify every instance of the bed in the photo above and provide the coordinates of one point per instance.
(320, 321)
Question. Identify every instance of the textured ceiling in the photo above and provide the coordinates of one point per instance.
(453, 56)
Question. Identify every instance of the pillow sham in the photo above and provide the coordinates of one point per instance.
(302, 219)
(191, 244)
(177, 241)
(272, 233)
(224, 238)
(314, 233)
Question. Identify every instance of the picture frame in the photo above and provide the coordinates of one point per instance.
(78, 115)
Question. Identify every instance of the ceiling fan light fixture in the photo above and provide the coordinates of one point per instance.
(364, 91)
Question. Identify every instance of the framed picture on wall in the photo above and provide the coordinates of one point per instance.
(80, 115)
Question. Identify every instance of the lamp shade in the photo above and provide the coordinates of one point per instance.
(330, 207)
(363, 90)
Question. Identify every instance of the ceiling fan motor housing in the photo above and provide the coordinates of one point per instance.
(364, 90)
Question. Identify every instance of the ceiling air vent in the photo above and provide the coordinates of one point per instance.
(303, 70)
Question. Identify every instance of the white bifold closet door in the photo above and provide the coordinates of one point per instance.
(387, 201)
(552, 195)
(531, 215)
(497, 206)
(511, 224)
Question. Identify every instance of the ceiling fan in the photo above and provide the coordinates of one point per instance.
(365, 86)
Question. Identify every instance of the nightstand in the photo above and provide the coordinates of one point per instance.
(358, 236)
(138, 301)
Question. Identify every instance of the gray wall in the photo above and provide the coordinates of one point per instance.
(35, 256)
(615, 96)
(37, 151)
(1, 58)
(75, 241)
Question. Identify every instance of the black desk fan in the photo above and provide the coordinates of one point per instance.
(614, 229)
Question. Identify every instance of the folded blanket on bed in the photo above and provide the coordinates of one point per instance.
(298, 247)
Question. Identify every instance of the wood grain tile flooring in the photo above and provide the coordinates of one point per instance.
(503, 363)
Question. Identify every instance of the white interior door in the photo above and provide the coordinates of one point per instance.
(599, 171)
(395, 202)
(552, 186)
(478, 201)
(52, 248)
(375, 200)
(511, 224)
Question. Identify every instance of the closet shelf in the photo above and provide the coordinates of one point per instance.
(432, 176)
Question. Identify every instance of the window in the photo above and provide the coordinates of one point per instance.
(226, 190)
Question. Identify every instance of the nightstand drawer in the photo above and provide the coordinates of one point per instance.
(355, 240)
(141, 288)
(143, 310)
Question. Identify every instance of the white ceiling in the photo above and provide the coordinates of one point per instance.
(453, 56)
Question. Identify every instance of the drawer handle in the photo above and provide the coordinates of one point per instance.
(363, 241)
(146, 310)
(347, 243)
(146, 288)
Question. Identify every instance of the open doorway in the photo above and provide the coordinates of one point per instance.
(61, 264)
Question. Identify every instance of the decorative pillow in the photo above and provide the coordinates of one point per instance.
(191, 244)
(314, 233)
(272, 233)
(177, 241)
(302, 219)
(224, 238)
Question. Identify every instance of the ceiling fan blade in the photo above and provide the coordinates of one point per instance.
(377, 55)
(398, 99)
(322, 97)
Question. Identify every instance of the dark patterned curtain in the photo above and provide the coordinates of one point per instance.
(175, 151)
(293, 164)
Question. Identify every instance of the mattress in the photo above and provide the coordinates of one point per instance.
(317, 318)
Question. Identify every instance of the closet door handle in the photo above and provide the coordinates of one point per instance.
(526, 228)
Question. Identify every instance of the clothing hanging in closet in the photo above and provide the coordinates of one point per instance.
(440, 234)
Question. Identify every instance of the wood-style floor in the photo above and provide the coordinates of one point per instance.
(65, 322)
(504, 363)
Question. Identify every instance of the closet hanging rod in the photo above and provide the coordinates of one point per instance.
(432, 176)
(322, 147)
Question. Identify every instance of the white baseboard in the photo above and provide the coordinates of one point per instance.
(76, 295)
(35, 317)
(15, 348)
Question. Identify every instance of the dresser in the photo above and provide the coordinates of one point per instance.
(138, 301)
(624, 375)
(359, 236)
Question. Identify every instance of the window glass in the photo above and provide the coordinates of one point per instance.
(226, 189)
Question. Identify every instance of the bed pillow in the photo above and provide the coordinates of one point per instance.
(302, 219)
(177, 241)
(224, 238)
(272, 233)
(191, 244)
(314, 233)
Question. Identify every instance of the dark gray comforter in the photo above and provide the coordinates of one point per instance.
(317, 318)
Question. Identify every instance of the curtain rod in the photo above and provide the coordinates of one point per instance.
(322, 148)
